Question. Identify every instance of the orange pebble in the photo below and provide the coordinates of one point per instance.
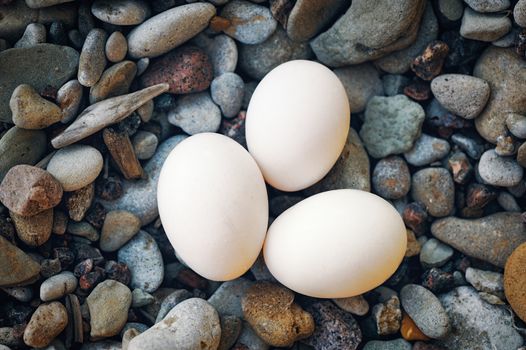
(410, 331)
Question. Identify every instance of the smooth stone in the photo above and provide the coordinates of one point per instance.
(397, 344)
(31, 111)
(351, 170)
(271, 312)
(426, 150)
(18, 268)
(514, 279)
(369, 31)
(227, 298)
(484, 27)
(392, 125)
(34, 34)
(227, 91)
(192, 324)
(508, 202)
(28, 190)
(221, 50)
(308, 18)
(499, 171)
(434, 187)
(145, 111)
(69, 97)
(399, 62)
(108, 306)
(491, 238)
(47, 322)
(257, 60)
(115, 81)
(140, 298)
(488, 5)
(503, 69)
(92, 58)
(143, 257)
(391, 178)
(75, 166)
(39, 66)
(516, 124)
(55, 287)
(83, 229)
(486, 281)
(361, 83)
(521, 155)
(435, 253)
(169, 29)
(116, 47)
(425, 310)
(519, 13)
(249, 23)
(44, 3)
(356, 305)
(475, 324)
(121, 12)
(34, 230)
(462, 95)
(185, 70)
(196, 113)
(20, 146)
(170, 302)
(118, 228)
(140, 197)
(142, 65)
(451, 10)
(144, 144)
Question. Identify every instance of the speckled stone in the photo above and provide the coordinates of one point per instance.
(514, 280)
(92, 58)
(391, 178)
(121, 12)
(426, 150)
(516, 124)
(55, 287)
(434, 187)
(227, 91)
(196, 113)
(48, 321)
(499, 171)
(397, 344)
(34, 230)
(484, 26)
(116, 47)
(519, 13)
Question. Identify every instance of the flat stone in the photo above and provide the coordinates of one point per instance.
(78, 202)
(227, 298)
(39, 66)
(118, 228)
(116, 47)
(18, 267)
(391, 178)
(392, 125)
(115, 81)
(108, 306)
(20, 146)
(486, 281)
(47, 322)
(488, 5)
(426, 150)
(434, 187)
(121, 12)
(369, 31)
(92, 58)
(475, 324)
(435, 253)
(361, 83)
(143, 257)
(34, 230)
(169, 29)
(484, 27)
(491, 238)
(55, 287)
(196, 113)
(227, 91)
(356, 305)
(502, 68)
(34, 34)
(514, 278)
(499, 171)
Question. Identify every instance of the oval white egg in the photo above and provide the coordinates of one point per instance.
(297, 123)
(213, 205)
(336, 244)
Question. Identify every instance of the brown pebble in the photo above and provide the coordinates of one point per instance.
(415, 217)
(79, 201)
(479, 196)
(413, 245)
(48, 321)
(410, 330)
(280, 10)
(187, 69)
(515, 281)
(429, 64)
(218, 24)
(116, 47)
(27, 190)
(34, 230)
(121, 150)
(459, 165)
(271, 312)
(17, 268)
(60, 222)
(418, 90)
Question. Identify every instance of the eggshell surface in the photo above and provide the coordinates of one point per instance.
(213, 205)
(336, 244)
(297, 123)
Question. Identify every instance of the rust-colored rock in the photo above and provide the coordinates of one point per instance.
(186, 69)
(34, 230)
(515, 280)
(121, 150)
(17, 267)
(27, 190)
(410, 330)
(429, 64)
(79, 201)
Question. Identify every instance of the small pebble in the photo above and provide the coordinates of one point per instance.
(434, 187)
(508, 202)
(31, 111)
(488, 5)
(69, 97)
(92, 58)
(468, 145)
(140, 298)
(34, 230)
(391, 178)
(519, 13)
(227, 91)
(227, 298)
(121, 12)
(435, 254)
(486, 281)
(426, 150)
(144, 144)
(196, 113)
(499, 171)
(78, 202)
(170, 301)
(57, 286)
(146, 111)
(221, 50)
(429, 64)
(34, 34)
(115, 81)
(47, 322)
(116, 47)
(516, 124)
(484, 26)
(387, 316)
(356, 305)
(361, 83)
(119, 227)
(83, 229)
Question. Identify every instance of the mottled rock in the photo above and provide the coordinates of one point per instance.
(435, 253)
(227, 91)
(144, 144)
(391, 178)
(34, 34)
(34, 230)
(221, 50)
(196, 113)
(92, 58)
(486, 281)
(121, 12)
(387, 316)
(499, 171)
(434, 187)
(17, 267)
(514, 279)
(78, 202)
(55, 287)
(361, 83)
(397, 344)
(426, 150)
(484, 27)
(115, 81)
(516, 124)
(31, 111)
(230, 331)
(519, 13)
(48, 321)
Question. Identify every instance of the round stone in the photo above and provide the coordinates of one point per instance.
(118, 228)
(116, 47)
(515, 279)
(55, 287)
(391, 178)
(48, 321)
(499, 171)
(227, 91)
(434, 187)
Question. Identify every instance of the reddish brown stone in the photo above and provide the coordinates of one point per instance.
(27, 190)
(186, 69)
(479, 196)
(79, 201)
(218, 24)
(418, 90)
(429, 64)
(415, 217)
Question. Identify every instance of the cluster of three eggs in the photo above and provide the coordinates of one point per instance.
(213, 200)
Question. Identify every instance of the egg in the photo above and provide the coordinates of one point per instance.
(297, 123)
(336, 244)
(213, 205)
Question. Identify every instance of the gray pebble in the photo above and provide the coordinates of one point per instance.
(435, 253)
(426, 150)
(468, 145)
(486, 281)
(75, 38)
(499, 171)
(230, 331)
(171, 301)
(23, 294)
(75, 166)
(196, 113)
(516, 124)
(142, 65)
(121, 12)
(356, 305)
(361, 83)
(116, 47)
(508, 202)
(519, 190)
(391, 178)
(35, 4)
(251, 339)
(92, 58)
(394, 84)
(57, 286)
(35, 33)
(434, 187)
(115, 81)
(452, 10)
(396, 344)
(227, 298)
(144, 259)
(488, 5)
(83, 229)
(69, 97)
(140, 298)
(484, 27)
(507, 40)
(519, 13)
(426, 310)
(221, 50)
(227, 91)
(250, 23)
(144, 144)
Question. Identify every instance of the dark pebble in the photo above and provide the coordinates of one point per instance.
(438, 281)
(429, 64)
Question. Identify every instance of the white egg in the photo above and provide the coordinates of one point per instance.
(336, 244)
(213, 205)
(297, 123)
